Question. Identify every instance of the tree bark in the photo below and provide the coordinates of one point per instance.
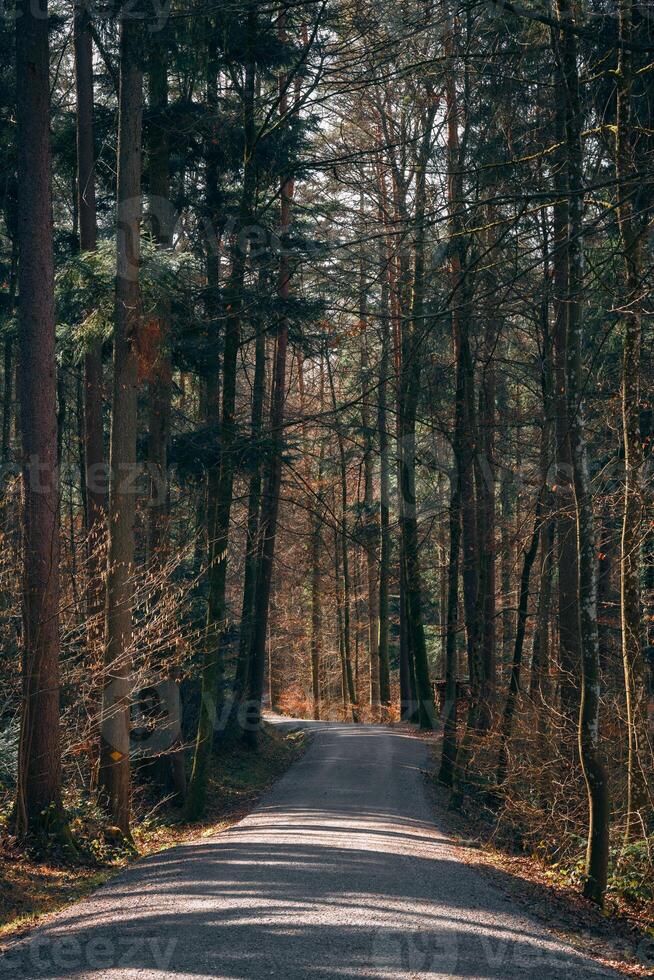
(516, 665)
(539, 686)
(447, 770)
(114, 739)
(8, 364)
(316, 591)
(566, 535)
(252, 527)
(39, 807)
(413, 329)
(371, 528)
(160, 372)
(221, 484)
(92, 450)
(172, 768)
(466, 439)
(401, 301)
(631, 234)
(316, 516)
(486, 522)
(589, 745)
(340, 633)
(7, 396)
(96, 501)
(465, 436)
(273, 479)
(345, 558)
(384, 490)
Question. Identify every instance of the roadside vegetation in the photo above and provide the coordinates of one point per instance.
(35, 883)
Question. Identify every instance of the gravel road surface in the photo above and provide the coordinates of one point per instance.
(340, 872)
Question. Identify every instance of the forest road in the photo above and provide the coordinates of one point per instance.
(340, 872)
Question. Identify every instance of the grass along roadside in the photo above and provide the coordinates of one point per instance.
(32, 888)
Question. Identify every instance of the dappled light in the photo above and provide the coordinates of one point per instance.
(326, 486)
(330, 876)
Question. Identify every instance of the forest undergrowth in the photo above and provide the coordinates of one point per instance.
(34, 884)
(532, 846)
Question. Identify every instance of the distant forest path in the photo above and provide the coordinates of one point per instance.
(340, 872)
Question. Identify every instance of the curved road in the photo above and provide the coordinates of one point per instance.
(340, 872)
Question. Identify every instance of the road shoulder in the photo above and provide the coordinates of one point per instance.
(606, 936)
(33, 890)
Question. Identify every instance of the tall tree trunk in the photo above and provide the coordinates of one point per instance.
(220, 496)
(465, 437)
(384, 490)
(209, 381)
(461, 471)
(160, 373)
(94, 494)
(268, 527)
(93, 425)
(273, 479)
(371, 528)
(316, 517)
(413, 330)
(114, 739)
(345, 557)
(471, 563)
(516, 665)
(39, 807)
(539, 688)
(401, 300)
(447, 771)
(340, 632)
(219, 503)
(566, 535)
(7, 396)
(396, 274)
(8, 364)
(589, 744)
(485, 479)
(316, 589)
(486, 521)
(356, 609)
(506, 509)
(252, 528)
(539, 684)
(465, 445)
(631, 234)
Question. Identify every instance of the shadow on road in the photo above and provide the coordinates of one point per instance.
(340, 873)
